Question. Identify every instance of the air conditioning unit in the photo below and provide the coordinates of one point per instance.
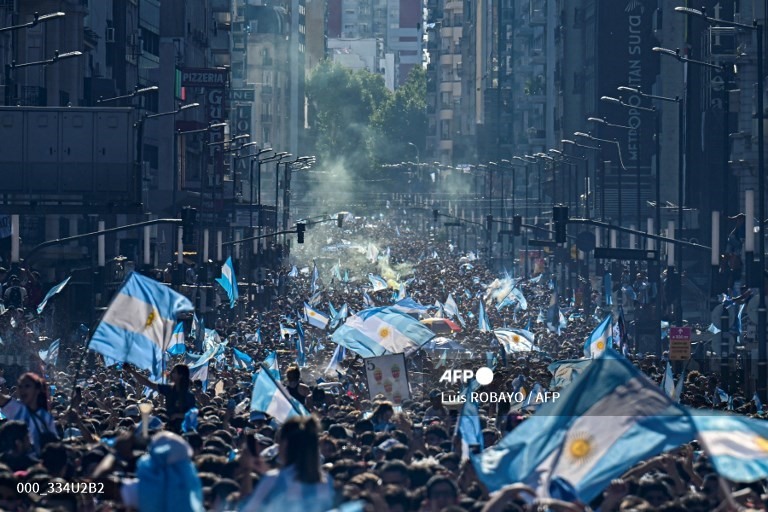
(110, 35)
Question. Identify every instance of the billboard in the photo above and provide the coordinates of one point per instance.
(68, 160)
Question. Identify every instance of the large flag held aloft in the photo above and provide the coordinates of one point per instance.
(138, 324)
(378, 331)
(270, 397)
(611, 417)
(228, 281)
(53, 291)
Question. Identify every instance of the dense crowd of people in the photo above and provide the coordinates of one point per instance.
(78, 435)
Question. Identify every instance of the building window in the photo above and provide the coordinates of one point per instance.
(445, 130)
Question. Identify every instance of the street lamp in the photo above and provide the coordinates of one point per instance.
(47, 62)
(36, 19)
(587, 187)
(136, 92)
(762, 363)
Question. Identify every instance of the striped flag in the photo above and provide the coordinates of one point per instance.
(139, 322)
(378, 331)
(177, 346)
(241, 360)
(228, 281)
(51, 354)
(270, 397)
(336, 359)
(53, 291)
(483, 324)
(314, 317)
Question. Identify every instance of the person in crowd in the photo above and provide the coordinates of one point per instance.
(178, 397)
(31, 407)
(300, 485)
(297, 389)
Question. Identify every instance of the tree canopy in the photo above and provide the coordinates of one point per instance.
(357, 122)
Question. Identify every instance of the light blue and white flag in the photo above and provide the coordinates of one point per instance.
(758, 403)
(378, 331)
(53, 291)
(336, 269)
(668, 381)
(368, 301)
(272, 365)
(564, 372)
(402, 293)
(139, 322)
(315, 318)
(483, 324)
(51, 354)
(301, 346)
(270, 397)
(515, 340)
(678, 393)
(468, 426)
(600, 339)
(177, 345)
(294, 272)
(339, 317)
(228, 281)
(241, 360)
(315, 275)
(736, 445)
(611, 417)
(336, 359)
(286, 331)
(377, 282)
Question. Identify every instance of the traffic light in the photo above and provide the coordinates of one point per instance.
(300, 232)
(560, 217)
(489, 222)
(435, 214)
(188, 224)
(517, 225)
(340, 220)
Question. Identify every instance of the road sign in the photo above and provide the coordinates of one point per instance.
(601, 253)
(679, 343)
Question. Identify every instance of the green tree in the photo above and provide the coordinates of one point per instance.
(342, 103)
(402, 120)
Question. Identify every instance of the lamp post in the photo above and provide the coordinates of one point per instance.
(36, 20)
(762, 364)
(681, 168)
(587, 180)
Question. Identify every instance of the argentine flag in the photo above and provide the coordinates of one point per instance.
(314, 317)
(377, 282)
(177, 341)
(139, 322)
(736, 445)
(483, 324)
(340, 316)
(336, 359)
(600, 339)
(241, 360)
(53, 291)
(468, 426)
(228, 281)
(668, 382)
(272, 365)
(378, 331)
(315, 274)
(270, 397)
(51, 354)
(516, 340)
(611, 417)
